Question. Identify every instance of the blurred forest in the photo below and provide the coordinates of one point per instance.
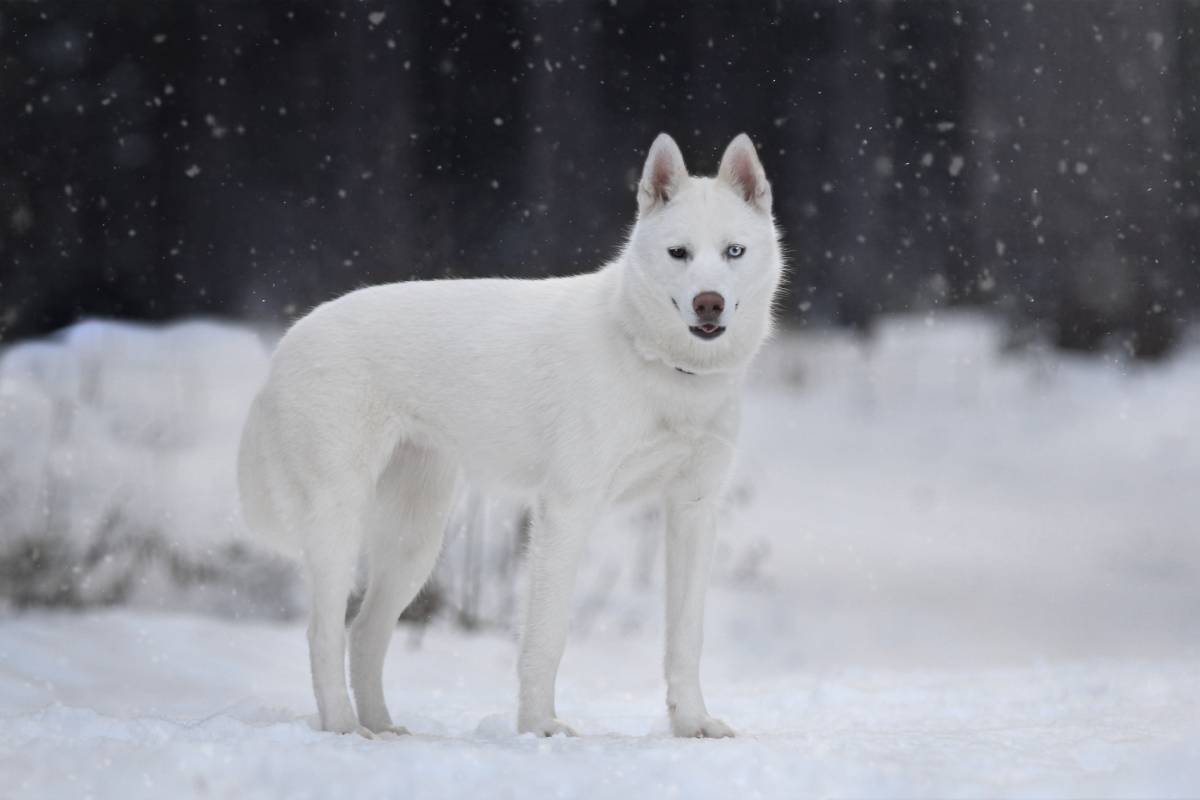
(251, 159)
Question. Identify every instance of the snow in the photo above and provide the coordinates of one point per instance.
(121, 704)
(118, 442)
(947, 568)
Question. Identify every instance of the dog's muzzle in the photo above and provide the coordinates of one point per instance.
(708, 307)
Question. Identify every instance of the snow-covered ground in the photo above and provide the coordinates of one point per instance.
(122, 704)
(945, 571)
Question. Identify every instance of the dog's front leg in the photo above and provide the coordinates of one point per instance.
(691, 531)
(556, 540)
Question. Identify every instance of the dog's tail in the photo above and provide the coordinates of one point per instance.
(255, 487)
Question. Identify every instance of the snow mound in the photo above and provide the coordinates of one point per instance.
(118, 441)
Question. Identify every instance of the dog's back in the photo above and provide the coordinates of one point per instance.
(473, 368)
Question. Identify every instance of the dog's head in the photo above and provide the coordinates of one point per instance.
(703, 262)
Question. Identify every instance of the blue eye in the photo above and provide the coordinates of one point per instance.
(735, 251)
(678, 253)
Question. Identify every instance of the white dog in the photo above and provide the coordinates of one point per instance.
(577, 391)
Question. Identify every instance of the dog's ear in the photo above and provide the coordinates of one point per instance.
(741, 169)
(663, 174)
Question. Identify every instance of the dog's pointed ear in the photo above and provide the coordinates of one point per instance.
(743, 172)
(663, 174)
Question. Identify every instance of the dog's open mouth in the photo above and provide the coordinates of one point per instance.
(707, 331)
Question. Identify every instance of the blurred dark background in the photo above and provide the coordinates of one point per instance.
(251, 159)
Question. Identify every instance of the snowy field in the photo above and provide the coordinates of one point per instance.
(119, 704)
(945, 570)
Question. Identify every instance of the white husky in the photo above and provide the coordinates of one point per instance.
(577, 391)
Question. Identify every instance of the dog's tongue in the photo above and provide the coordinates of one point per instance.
(708, 327)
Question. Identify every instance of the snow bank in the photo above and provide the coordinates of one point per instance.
(929, 496)
(945, 569)
(927, 481)
(117, 442)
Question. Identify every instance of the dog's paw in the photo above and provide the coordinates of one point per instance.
(546, 727)
(390, 732)
(701, 728)
(345, 722)
(382, 726)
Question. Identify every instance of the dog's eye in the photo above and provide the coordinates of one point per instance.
(735, 251)
(679, 253)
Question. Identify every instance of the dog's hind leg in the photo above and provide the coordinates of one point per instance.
(404, 534)
(331, 562)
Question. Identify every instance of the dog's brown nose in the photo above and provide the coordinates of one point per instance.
(708, 306)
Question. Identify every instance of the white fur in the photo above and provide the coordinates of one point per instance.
(578, 391)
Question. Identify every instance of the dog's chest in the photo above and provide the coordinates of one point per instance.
(653, 459)
(665, 434)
